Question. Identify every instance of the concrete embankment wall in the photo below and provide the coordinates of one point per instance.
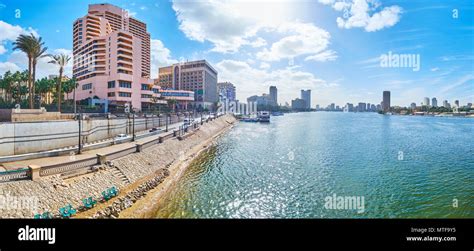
(54, 192)
(30, 137)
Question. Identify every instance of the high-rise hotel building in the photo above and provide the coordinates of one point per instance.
(196, 76)
(112, 57)
(306, 96)
(386, 101)
(226, 91)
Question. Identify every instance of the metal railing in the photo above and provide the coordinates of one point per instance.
(121, 153)
(68, 166)
(19, 174)
(91, 161)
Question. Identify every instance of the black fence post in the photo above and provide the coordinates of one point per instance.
(79, 149)
(133, 127)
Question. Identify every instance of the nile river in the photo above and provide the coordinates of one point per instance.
(402, 166)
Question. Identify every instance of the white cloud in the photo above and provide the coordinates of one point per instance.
(216, 22)
(469, 78)
(388, 17)
(264, 65)
(324, 56)
(363, 14)
(8, 66)
(250, 80)
(259, 42)
(304, 39)
(231, 24)
(326, 1)
(160, 56)
(131, 13)
(457, 57)
(43, 68)
(10, 32)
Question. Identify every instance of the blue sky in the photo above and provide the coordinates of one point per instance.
(332, 47)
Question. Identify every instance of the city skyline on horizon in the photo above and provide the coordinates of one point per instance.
(314, 105)
(292, 50)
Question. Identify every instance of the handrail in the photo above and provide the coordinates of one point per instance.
(60, 168)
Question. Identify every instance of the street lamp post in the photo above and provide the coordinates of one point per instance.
(79, 150)
(133, 126)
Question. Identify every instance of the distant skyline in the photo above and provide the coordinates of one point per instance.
(418, 103)
(332, 47)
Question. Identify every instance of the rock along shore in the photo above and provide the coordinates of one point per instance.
(151, 171)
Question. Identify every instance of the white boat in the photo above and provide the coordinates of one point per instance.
(263, 116)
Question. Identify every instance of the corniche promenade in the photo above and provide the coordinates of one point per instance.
(151, 170)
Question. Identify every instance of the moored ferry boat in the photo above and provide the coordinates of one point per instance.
(264, 116)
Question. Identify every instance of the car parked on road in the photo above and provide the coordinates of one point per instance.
(121, 138)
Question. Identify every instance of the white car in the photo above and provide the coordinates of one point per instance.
(188, 121)
(121, 138)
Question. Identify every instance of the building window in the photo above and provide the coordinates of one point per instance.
(146, 96)
(111, 94)
(87, 86)
(125, 84)
(145, 87)
(125, 94)
(111, 84)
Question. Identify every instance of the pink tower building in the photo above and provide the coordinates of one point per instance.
(112, 57)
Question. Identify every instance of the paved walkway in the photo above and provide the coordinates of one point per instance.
(85, 154)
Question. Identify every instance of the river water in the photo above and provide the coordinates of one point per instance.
(393, 166)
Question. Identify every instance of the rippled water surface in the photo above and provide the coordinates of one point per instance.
(403, 166)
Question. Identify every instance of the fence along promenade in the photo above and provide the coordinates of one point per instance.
(35, 172)
(21, 139)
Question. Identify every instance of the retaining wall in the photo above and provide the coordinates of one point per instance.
(29, 137)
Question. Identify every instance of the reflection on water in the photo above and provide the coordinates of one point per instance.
(403, 166)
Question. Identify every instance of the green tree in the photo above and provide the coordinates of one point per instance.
(61, 60)
(69, 86)
(33, 48)
(6, 83)
(39, 52)
(172, 104)
(44, 86)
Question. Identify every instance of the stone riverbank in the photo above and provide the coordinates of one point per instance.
(134, 175)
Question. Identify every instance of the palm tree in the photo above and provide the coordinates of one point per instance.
(61, 60)
(70, 86)
(33, 48)
(39, 52)
(44, 86)
(172, 103)
(25, 44)
(17, 78)
(75, 84)
(6, 84)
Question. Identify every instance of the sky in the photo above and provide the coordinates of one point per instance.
(343, 50)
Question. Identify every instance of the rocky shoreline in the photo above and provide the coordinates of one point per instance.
(134, 175)
(124, 202)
